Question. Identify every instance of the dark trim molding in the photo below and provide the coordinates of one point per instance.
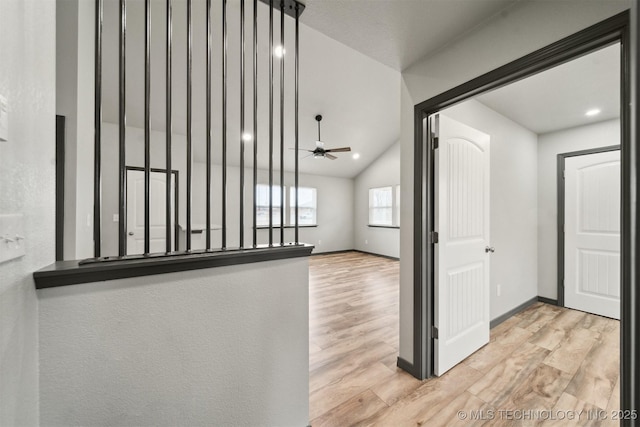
(266, 227)
(342, 251)
(60, 142)
(614, 29)
(176, 202)
(384, 226)
(65, 273)
(560, 186)
(379, 255)
(630, 296)
(495, 322)
(405, 366)
(290, 7)
(547, 300)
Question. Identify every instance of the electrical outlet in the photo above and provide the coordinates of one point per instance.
(319, 242)
(366, 242)
(498, 290)
(116, 218)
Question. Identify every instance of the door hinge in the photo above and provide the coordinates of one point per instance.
(563, 174)
(433, 236)
(435, 142)
(434, 332)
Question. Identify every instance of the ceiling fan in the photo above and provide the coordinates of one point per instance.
(320, 151)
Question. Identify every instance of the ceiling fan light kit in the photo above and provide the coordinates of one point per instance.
(320, 152)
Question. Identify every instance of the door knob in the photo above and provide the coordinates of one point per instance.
(130, 233)
(489, 249)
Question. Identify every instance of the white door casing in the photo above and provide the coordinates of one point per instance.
(157, 211)
(461, 309)
(592, 233)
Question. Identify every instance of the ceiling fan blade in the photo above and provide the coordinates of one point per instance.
(338, 150)
(329, 156)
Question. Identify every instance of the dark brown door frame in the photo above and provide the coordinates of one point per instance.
(560, 183)
(609, 31)
(176, 201)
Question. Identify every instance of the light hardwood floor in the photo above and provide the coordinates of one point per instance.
(547, 359)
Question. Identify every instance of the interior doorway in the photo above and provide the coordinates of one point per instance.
(587, 41)
(135, 196)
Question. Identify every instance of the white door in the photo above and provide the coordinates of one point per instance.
(592, 233)
(461, 261)
(157, 211)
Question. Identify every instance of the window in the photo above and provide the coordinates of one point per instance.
(384, 206)
(381, 206)
(262, 205)
(307, 207)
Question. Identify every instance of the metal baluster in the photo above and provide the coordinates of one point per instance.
(189, 119)
(208, 138)
(97, 165)
(255, 121)
(169, 130)
(224, 124)
(242, 130)
(282, 123)
(147, 126)
(271, 123)
(122, 181)
(297, 90)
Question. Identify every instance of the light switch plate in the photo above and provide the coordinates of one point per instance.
(4, 119)
(12, 237)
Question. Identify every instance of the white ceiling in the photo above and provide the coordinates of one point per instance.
(399, 32)
(558, 98)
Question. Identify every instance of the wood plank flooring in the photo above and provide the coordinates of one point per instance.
(552, 360)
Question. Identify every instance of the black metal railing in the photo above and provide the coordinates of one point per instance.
(293, 9)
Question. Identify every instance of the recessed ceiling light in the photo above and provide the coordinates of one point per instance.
(593, 112)
(279, 51)
(247, 137)
(356, 156)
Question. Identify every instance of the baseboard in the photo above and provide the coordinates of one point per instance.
(548, 300)
(343, 251)
(380, 255)
(495, 322)
(405, 366)
(354, 250)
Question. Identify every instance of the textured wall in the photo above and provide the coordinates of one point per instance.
(383, 172)
(215, 347)
(549, 146)
(27, 177)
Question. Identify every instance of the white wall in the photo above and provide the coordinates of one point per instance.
(225, 347)
(27, 179)
(335, 196)
(384, 171)
(75, 100)
(549, 146)
(334, 216)
(514, 214)
(520, 30)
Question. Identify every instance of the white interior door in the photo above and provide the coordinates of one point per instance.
(461, 262)
(592, 233)
(157, 211)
